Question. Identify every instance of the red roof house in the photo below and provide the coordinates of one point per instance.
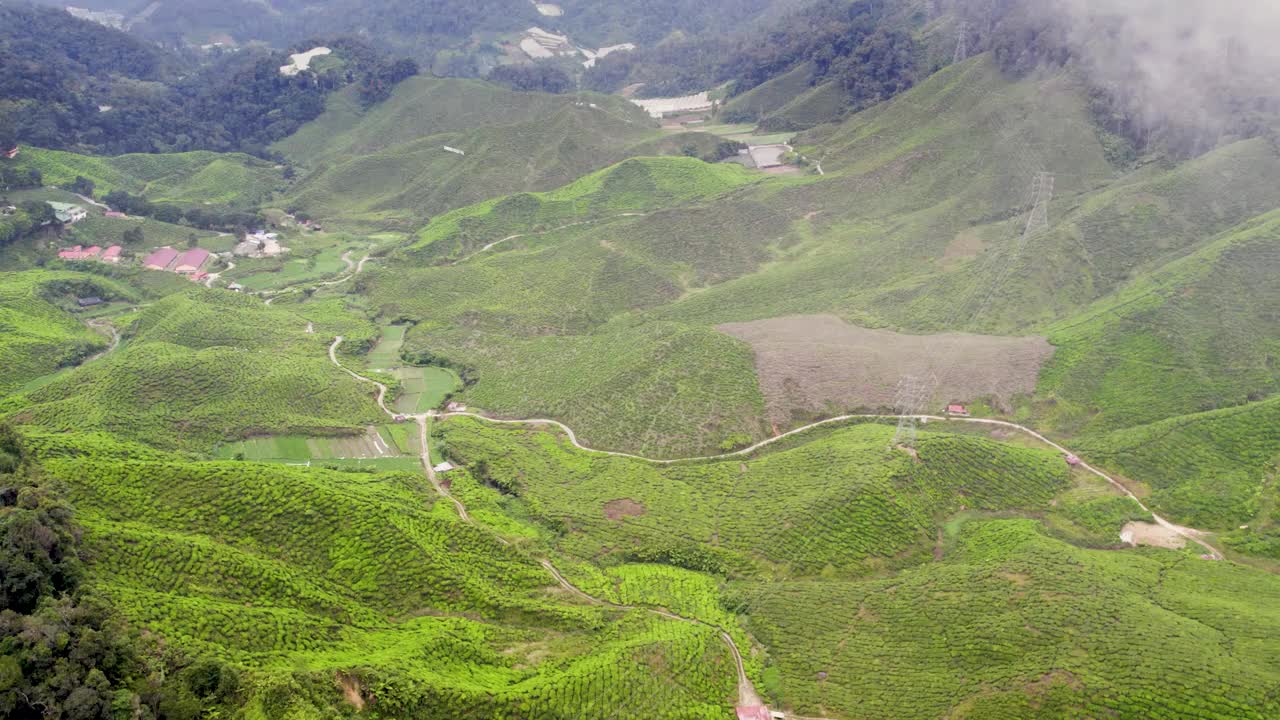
(92, 251)
(191, 261)
(956, 409)
(112, 254)
(76, 252)
(160, 259)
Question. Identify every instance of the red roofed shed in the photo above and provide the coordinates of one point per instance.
(191, 261)
(956, 409)
(160, 259)
(112, 254)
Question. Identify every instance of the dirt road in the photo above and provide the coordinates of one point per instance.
(1191, 534)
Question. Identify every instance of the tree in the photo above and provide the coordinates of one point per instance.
(82, 186)
(133, 236)
(39, 212)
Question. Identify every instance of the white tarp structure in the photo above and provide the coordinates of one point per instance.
(661, 107)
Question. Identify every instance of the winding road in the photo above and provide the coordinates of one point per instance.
(747, 695)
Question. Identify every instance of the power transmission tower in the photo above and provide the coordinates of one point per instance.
(962, 43)
(1042, 191)
(909, 402)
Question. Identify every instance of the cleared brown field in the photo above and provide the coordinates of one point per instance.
(818, 364)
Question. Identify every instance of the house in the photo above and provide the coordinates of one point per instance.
(455, 407)
(115, 214)
(11, 153)
(191, 261)
(112, 254)
(89, 301)
(235, 287)
(443, 467)
(957, 410)
(68, 214)
(200, 277)
(160, 259)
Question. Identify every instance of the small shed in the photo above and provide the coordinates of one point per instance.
(444, 467)
(957, 410)
(112, 254)
(88, 301)
(455, 407)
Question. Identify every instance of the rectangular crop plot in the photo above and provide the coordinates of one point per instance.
(386, 354)
(813, 364)
(375, 443)
(424, 388)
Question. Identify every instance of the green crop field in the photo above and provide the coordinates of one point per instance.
(41, 333)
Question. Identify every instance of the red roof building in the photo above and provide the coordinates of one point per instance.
(75, 252)
(112, 254)
(160, 259)
(191, 261)
(960, 410)
(92, 251)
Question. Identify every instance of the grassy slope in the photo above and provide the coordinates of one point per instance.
(202, 367)
(299, 575)
(37, 333)
(192, 178)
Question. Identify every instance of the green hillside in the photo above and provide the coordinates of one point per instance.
(192, 178)
(204, 367)
(40, 332)
(298, 578)
(1013, 624)
(844, 503)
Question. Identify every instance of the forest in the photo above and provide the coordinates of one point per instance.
(72, 84)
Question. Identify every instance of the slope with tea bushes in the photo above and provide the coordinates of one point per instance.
(300, 576)
(192, 178)
(844, 501)
(638, 185)
(1215, 469)
(38, 334)
(1013, 624)
(202, 367)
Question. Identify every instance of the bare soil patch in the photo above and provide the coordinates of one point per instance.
(623, 508)
(1141, 533)
(819, 364)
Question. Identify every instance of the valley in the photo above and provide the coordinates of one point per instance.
(837, 361)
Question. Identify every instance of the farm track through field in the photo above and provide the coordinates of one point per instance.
(97, 325)
(353, 268)
(747, 695)
(208, 282)
(1189, 533)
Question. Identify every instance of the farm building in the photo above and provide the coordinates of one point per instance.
(80, 253)
(68, 214)
(160, 259)
(89, 302)
(957, 410)
(191, 261)
(114, 214)
(444, 467)
(112, 254)
(455, 407)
